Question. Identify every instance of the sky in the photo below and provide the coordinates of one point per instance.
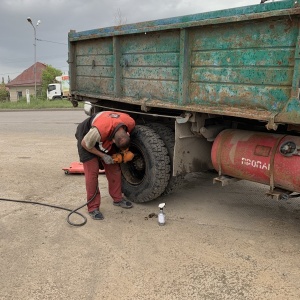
(58, 17)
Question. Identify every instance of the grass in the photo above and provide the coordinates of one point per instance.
(38, 103)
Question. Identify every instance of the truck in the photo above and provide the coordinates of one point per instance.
(60, 89)
(214, 91)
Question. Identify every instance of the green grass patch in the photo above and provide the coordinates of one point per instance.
(38, 103)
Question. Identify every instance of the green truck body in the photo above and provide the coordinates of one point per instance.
(239, 62)
(234, 66)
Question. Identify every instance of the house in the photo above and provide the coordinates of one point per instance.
(26, 81)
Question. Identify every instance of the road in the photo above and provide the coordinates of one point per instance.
(218, 242)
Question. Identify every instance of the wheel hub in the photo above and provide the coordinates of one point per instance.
(139, 163)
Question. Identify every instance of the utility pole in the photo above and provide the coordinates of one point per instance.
(34, 30)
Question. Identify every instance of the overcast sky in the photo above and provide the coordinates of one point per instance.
(58, 17)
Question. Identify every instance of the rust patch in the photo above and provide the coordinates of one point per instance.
(261, 150)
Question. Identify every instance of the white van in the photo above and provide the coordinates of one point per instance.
(54, 91)
(59, 90)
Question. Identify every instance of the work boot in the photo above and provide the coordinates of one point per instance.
(123, 203)
(96, 215)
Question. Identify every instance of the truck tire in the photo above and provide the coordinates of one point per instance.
(145, 177)
(168, 137)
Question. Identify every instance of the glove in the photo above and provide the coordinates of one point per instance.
(108, 159)
(117, 158)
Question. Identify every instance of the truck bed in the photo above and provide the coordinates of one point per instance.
(241, 62)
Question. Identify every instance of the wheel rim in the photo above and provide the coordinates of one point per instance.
(134, 171)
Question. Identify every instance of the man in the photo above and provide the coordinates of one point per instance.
(97, 139)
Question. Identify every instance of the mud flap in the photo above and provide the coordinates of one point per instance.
(191, 153)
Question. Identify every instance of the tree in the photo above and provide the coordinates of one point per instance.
(119, 19)
(4, 94)
(48, 76)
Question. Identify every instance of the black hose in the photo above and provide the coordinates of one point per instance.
(60, 207)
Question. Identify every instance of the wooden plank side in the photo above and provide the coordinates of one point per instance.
(98, 71)
(95, 47)
(247, 96)
(145, 60)
(256, 57)
(94, 66)
(150, 65)
(264, 33)
(151, 73)
(94, 60)
(95, 85)
(247, 64)
(243, 75)
(150, 89)
(153, 42)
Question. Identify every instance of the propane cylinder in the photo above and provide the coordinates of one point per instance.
(266, 158)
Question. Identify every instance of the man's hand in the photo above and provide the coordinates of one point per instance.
(108, 159)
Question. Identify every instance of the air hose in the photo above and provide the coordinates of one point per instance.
(60, 207)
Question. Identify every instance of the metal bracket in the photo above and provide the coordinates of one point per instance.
(184, 119)
(225, 180)
(278, 194)
(271, 125)
(144, 106)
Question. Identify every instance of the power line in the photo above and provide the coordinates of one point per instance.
(51, 42)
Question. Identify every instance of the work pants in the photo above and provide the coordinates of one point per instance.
(113, 175)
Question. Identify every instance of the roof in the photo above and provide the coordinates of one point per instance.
(26, 78)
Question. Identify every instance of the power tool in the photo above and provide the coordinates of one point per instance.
(123, 156)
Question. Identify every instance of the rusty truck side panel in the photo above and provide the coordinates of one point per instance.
(241, 62)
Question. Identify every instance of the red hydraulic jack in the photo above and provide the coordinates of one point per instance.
(77, 168)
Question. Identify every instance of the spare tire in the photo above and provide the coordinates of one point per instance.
(147, 175)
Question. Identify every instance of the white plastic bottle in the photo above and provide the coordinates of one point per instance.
(161, 215)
